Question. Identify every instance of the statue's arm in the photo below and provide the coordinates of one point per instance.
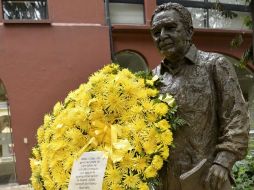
(232, 114)
(233, 129)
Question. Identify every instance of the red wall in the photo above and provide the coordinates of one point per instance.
(41, 63)
(83, 11)
(219, 41)
(139, 40)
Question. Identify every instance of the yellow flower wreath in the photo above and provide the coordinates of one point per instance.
(117, 112)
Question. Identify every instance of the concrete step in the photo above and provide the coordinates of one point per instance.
(15, 187)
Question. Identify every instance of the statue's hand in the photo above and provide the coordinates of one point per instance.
(216, 177)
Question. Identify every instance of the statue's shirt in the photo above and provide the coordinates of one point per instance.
(210, 100)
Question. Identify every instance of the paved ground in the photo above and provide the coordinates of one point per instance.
(15, 187)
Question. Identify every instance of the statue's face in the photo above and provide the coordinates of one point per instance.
(169, 35)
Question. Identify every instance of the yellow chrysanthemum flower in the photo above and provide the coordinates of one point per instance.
(131, 180)
(127, 162)
(150, 172)
(139, 124)
(150, 146)
(67, 164)
(57, 108)
(143, 186)
(36, 183)
(151, 117)
(59, 176)
(157, 162)
(152, 92)
(148, 105)
(163, 125)
(36, 153)
(113, 175)
(49, 184)
(167, 137)
(141, 163)
(35, 165)
(161, 109)
(164, 152)
(137, 143)
(116, 187)
(47, 120)
(150, 82)
(108, 69)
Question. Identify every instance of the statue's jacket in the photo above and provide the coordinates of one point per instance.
(210, 100)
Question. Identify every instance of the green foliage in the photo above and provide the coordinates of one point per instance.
(246, 57)
(218, 6)
(243, 172)
(225, 13)
(154, 183)
(149, 76)
(248, 22)
(144, 74)
(229, 14)
(237, 41)
(175, 120)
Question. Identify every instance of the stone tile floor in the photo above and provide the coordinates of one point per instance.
(15, 187)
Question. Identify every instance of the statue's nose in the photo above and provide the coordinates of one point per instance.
(163, 33)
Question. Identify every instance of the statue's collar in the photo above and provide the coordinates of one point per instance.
(191, 55)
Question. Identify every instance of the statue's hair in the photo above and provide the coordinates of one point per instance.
(183, 12)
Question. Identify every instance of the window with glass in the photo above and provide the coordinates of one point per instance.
(7, 157)
(131, 60)
(25, 10)
(226, 14)
(126, 12)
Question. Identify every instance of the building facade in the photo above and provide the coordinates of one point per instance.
(48, 48)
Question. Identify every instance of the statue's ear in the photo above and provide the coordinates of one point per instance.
(190, 32)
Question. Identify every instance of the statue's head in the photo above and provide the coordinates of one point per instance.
(172, 29)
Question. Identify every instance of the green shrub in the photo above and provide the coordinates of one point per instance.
(243, 172)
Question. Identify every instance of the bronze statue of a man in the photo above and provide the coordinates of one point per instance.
(210, 100)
